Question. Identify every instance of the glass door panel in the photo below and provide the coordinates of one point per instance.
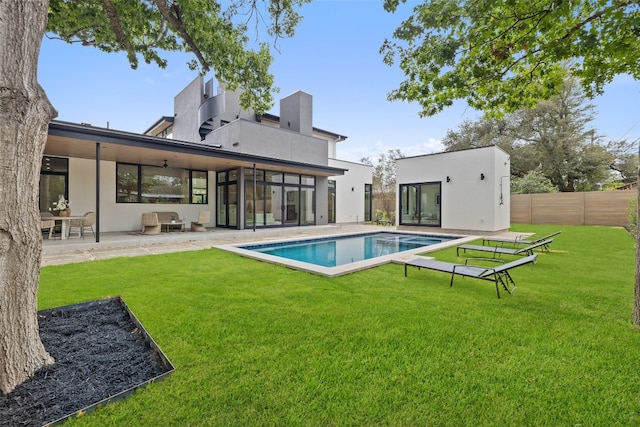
(51, 188)
(222, 206)
(409, 204)
(307, 206)
(273, 203)
(233, 205)
(292, 205)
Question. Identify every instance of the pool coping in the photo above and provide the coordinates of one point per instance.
(340, 270)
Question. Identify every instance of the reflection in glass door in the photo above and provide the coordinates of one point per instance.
(332, 202)
(409, 204)
(291, 208)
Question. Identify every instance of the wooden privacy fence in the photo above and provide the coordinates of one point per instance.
(588, 208)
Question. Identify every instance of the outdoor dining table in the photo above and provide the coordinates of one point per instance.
(64, 220)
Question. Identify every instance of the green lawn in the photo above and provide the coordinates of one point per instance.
(260, 344)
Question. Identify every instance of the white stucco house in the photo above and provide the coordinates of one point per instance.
(467, 190)
(247, 170)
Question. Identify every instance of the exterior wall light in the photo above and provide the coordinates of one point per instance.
(448, 179)
(482, 177)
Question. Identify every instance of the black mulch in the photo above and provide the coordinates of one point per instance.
(100, 352)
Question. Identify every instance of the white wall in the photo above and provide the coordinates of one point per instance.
(121, 216)
(468, 202)
(350, 204)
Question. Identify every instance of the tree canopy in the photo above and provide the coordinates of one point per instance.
(502, 56)
(554, 139)
(384, 177)
(217, 38)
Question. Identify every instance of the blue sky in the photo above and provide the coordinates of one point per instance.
(334, 57)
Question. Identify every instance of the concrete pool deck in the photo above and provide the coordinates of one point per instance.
(113, 245)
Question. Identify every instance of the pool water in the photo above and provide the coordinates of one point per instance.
(335, 251)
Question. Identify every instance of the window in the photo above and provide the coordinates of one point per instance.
(166, 133)
(367, 202)
(154, 184)
(420, 204)
(331, 218)
(227, 198)
(54, 181)
(279, 199)
(199, 189)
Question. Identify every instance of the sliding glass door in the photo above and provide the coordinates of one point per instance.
(420, 204)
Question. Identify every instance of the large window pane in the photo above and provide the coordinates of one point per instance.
(164, 185)
(273, 176)
(51, 188)
(273, 203)
(290, 178)
(199, 187)
(430, 204)
(408, 204)
(127, 183)
(153, 184)
(307, 206)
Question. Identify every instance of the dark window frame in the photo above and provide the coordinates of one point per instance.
(139, 167)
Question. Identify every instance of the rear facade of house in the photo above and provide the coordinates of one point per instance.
(247, 170)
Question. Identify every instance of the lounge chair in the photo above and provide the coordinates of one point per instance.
(499, 275)
(204, 217)
(519, 240)
(499, 250)
(87, 221)
(150, 223)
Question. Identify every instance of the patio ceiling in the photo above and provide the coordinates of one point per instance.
(79, 141)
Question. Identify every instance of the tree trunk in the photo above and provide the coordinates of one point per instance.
(635, 317)
(25, 113)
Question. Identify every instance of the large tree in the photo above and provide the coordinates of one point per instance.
(144, 29)
(384, 177)
(553, 139)
(503, 56)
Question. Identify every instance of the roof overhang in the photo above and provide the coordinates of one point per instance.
(161, 124)
(79, 141)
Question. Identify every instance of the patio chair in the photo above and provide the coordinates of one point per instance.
(204, 217)
(499, 275)
(150, 223)
(48, 224)
(87, 222)
(499, 250)
(519, 240)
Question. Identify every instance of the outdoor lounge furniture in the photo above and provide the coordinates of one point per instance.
(170, 221)
(499, 250)
(518, 240)
(150, 223)
(48, 224)
(204, 217)
(499, 275)
(87, 221)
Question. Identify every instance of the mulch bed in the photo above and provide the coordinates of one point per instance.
(100, 353)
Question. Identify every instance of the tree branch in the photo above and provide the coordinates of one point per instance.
(114, 19)
(170, 13)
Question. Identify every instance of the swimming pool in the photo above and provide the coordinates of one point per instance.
(342, 254)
